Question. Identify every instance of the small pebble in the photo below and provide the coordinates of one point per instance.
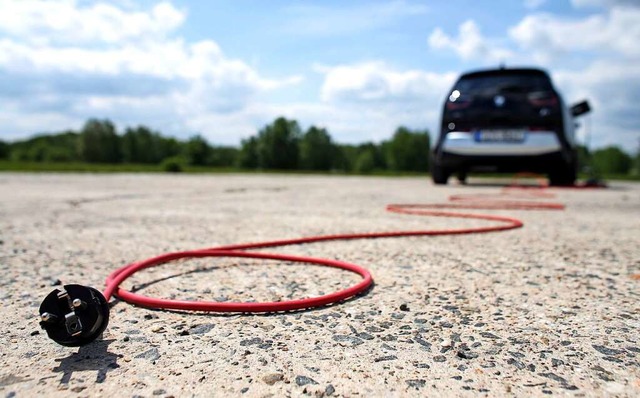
(272, 378)
(329, 390)
(304, 380)
(416, 383)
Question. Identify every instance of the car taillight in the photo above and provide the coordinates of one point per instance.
(458, 101)
(540, 99)
(452, 106)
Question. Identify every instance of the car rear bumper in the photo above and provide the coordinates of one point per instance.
(544, 163)
(535, 143)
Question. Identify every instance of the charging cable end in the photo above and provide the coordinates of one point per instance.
(74, 316)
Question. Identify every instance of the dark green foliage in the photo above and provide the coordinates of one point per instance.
(280, 145)
(174, 164)
(635, 169)
(407, 150)
(345, 158)
(5, 150)
(46, 148)
(370, 157)
(317, 151)
(223, 156)
(197, 151)
(365, 162)
(99, 142)
(248, 155)
(170, 147)
(141, 145)
(611, 160)
(277, 145)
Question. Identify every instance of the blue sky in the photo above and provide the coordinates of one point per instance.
(359, 68)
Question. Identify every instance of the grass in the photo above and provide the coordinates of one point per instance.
(75, 167)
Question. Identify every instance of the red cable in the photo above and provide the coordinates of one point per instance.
(464, 202)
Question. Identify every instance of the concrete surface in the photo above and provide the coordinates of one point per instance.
(549, 309)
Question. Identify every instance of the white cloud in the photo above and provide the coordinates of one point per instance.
(68, 21)
(614, 91)
(374, 81)
(373, 99)
(470, 44)
(100, 60)
(167, 59)
(550, 37)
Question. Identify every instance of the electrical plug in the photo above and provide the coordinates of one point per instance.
(74, 316)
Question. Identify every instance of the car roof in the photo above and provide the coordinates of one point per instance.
(505, 72)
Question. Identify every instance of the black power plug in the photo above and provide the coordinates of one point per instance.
(74, 316)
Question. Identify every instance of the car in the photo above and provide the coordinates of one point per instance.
(506, 120)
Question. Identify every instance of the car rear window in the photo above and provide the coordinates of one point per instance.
(506, 83)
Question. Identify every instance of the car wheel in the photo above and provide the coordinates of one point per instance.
(439, 175)
(562, 178)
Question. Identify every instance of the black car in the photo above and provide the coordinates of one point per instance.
(506, 120)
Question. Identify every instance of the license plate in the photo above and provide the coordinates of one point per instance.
(500, 135)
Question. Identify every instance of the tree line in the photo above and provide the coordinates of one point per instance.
(280, 145)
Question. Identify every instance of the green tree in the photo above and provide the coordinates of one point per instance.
(99, 142)
(60, 147)
(37, 150)
(223, 156)
(170, 147)
(365, 162)
(345, 157)
(248, 156)
(407, 150)
(277, 145)
(635, 170)
(369, 158)
(5, 150)
(612, 160)
(197, 150)
(317, 151)
(141, 145)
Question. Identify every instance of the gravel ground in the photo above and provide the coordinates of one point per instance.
(549, 309)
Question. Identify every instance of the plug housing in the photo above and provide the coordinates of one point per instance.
(74, 316)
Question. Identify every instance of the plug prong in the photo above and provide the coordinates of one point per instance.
(47, 317)
(78, 304)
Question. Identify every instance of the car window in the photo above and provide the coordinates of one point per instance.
(501, 84)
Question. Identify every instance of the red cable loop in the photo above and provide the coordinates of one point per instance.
(123, 273)
(463, 202)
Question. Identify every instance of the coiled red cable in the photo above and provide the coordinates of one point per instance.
(240, 250)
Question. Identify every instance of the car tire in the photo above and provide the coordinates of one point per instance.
(439, 175)
(562, 178)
